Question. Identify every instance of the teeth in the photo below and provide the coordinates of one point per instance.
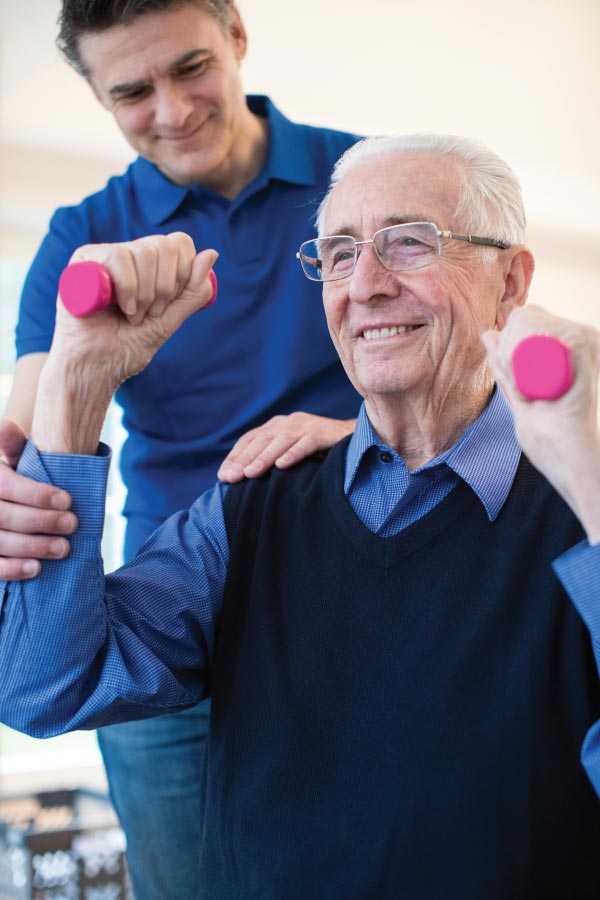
(372, 333)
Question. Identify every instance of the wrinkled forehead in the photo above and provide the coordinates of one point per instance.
(381, 190)
(152, 41)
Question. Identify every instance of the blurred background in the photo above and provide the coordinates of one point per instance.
(522, 77)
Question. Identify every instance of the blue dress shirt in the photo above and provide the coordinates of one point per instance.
(78, 652)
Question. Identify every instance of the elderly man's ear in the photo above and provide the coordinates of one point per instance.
(517, 274)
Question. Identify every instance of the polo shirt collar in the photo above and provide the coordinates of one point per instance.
(486, 456)
(288, 159)
(157, 196)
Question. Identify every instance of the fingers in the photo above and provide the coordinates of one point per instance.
(582, 342)
(18, 489)
(147, 274)
(19, 569)
(168, 267)
(21, 555)
(294, 453)
(34, 518)
(120, 265)
(17, 518)
(243, 453)
(196, 293)
(283, 441)
(558, 432)
(500, 365)
(258, 451)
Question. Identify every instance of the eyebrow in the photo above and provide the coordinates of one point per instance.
(389, 220)
(128, 86)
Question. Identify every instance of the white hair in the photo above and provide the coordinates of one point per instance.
(490, 202)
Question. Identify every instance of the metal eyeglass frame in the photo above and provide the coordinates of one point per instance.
(471, 238)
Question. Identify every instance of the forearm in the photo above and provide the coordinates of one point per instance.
(72, 401)
(578, 482)
(78, 650)
(585, 494)
(52, 628)
(21, 400)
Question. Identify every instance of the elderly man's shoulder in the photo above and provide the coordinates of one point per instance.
(316, 475)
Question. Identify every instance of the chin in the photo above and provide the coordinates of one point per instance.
(186, 166)
(182, 174)
(380, 380)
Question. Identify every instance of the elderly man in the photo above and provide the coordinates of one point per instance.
(395, 637)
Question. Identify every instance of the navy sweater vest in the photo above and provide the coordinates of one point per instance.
(398, 717)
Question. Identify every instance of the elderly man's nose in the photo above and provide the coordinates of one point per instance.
(369, 276)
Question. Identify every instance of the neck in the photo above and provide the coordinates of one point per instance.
(421, 428)
(247, 159)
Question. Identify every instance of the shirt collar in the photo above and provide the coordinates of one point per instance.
(288, 159)
(486, 456)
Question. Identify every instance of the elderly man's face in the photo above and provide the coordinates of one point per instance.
(440, 310)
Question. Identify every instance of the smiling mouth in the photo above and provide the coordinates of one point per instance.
(372, 333)
(181, 138)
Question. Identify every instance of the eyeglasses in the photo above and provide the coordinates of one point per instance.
(398, 248)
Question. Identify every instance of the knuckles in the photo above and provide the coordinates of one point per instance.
(298, 419)
(182, 241)
(292, 426)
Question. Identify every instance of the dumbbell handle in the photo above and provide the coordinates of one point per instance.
(542, 367)
(86, 288)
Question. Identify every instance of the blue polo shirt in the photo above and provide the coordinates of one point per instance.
(262, 349)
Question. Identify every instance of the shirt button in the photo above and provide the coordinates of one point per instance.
(385, 456)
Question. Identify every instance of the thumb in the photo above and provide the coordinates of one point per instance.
(199, 288)
(12, 442)
(501, 367)
(196, 294)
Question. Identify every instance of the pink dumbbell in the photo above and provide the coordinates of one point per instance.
(86, 288)
(542, 367)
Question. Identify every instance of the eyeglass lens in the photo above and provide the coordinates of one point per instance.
(398, 247)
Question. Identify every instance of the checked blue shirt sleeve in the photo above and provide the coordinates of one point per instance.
(579, 572)
(78, 650)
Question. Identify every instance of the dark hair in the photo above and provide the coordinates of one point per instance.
(78, 17)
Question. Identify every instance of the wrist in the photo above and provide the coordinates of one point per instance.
(580, 488)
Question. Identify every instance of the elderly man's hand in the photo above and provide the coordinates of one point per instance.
(159, 282)
(559, 436)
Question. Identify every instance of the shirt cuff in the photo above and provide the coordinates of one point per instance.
(578, 570)
(83, 477)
